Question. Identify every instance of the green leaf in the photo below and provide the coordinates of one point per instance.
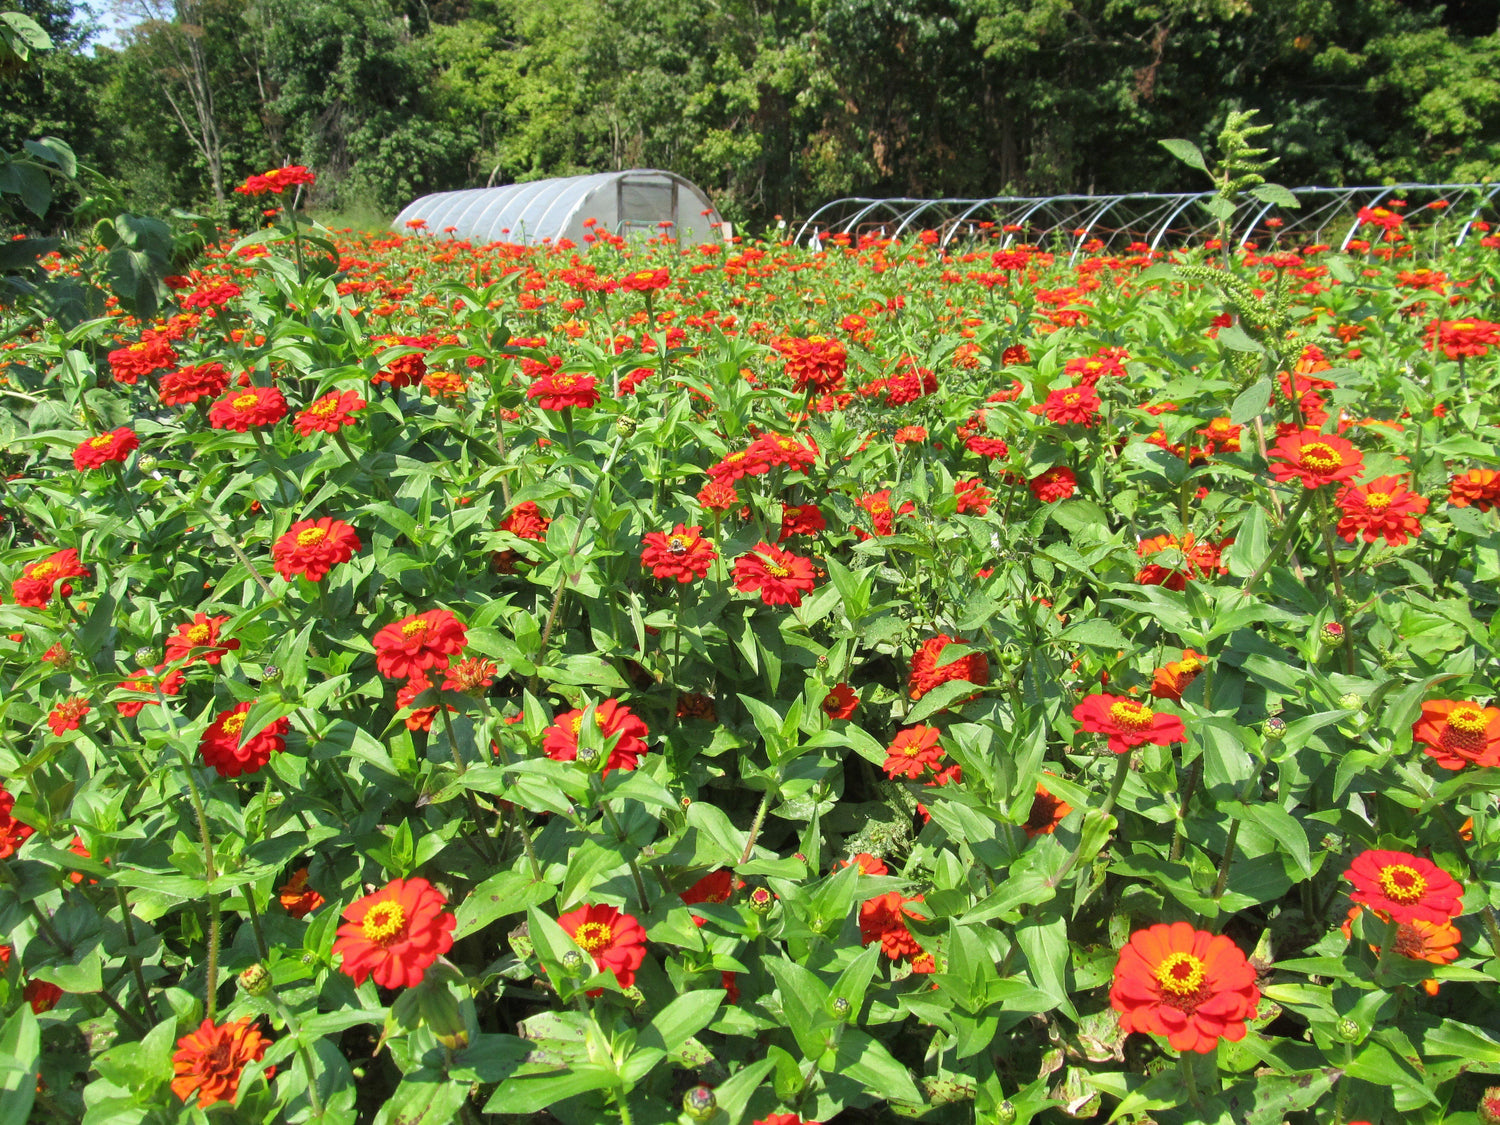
(509, 892)
(1235, 339)
(20, 1060)
(804, 1003)
(1185, 151)
(1250, 403)
(683, 1018)
(866, 1060)
(425, 1097)
(535, 1092)
(1096, 632)
(1277, 195)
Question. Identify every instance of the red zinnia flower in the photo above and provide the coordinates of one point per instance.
(779, 576)
(151, 353)
(1404, 887)
(682, 554)
(1127, 722)
(1462, 337)
(1193, 987)
(814, 363)
(646, 281)
(1456, 733)
(41, 995)
(560, 740)
(800, 519)
(1072, 405)
(248, 406)
(188, 384)
(414, 644)
(313, 547)
(615, 940)
(34, 587)
(883, 919)
(1382, 507)
(927, 671)
(113, 446)
(296, 897)
(1054, 484)
(1200, 559)
(526, 521)
(13, 833)
(882, 515)
(718, 496)
(195, 636)
(329, 413)
(1314, 458)
(209, 1060)
(150, 683)
(68, 714)
(840, 702)
(912, 752)
(222, 748)
(716, 886)
(972, 496)
(277, 180)
(559, 391)
(395, 933)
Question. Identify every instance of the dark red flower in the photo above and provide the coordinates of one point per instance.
(1127, 722)
(840, 702)
(225, 746)
(414, 644)
(615, 940)
(113, 446)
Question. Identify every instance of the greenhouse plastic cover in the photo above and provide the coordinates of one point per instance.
(634, 201)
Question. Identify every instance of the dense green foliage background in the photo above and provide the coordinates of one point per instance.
(773, 105)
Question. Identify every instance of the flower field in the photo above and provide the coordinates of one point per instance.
(989, 683)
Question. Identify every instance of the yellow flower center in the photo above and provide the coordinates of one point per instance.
(383, 921)
(1377, 501)
(1181, 974)
(43, 570)
(234, 724)
(137, 347)
(1468, 718)
(776, 570)
(1321, 457)
(245, 401)
(310, 535)
(414, 627)
(198, 634)
(324, 406)
(1128, 713)
(1401, 884)
(1190, 665)
(1071, 398)
(101, 441)
(593, 936)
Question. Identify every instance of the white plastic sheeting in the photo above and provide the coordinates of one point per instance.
(634, 202)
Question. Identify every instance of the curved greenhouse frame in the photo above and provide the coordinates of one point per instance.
(1326, 214)
(638, 201)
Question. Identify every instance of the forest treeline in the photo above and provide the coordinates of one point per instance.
(774, 106)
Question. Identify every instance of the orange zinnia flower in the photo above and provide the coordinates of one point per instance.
(1127, 722)
(312, 548)
(296, 897)
(210, 1059)
(67, 715)
(682, 554)
(329, 413)
(1434, 942)
(1477, 487)
(395, 933)
(1456, 733)
(1047, 812)
(615, 940)
(1384, 507)
(34, 587)
(1314, 458)
(248, 406)
(560, 391)
(1170, 682)
(1404, 887)
(840, 702)
(189, 384)
(198, 639)
(1191, 986)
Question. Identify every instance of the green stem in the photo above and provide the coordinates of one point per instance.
(597, 785)
(1179, 834)
(755, 825)
(210, 872)
(1117, 783)
(1387, 948)
(1287, 531)
(488, 850)
(260, 934)
(134, 959)
(1338, 582)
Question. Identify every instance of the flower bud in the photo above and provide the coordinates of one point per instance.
(146, 463)
(1005, 1112)
(1331, 635)
(1352, 701)
(761, 900)
(699, 1103)
(840, 1007)
(625, 425)
(1489, 1106)
(572, 960)
(271, 674)
(145, 655)
(1349, 1030)
(442, 1015)
(1274, 728)
(256, 980)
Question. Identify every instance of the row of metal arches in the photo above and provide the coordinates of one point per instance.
(1152, 218)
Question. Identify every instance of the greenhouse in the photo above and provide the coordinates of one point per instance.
(1322, 215)
(640, 201)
